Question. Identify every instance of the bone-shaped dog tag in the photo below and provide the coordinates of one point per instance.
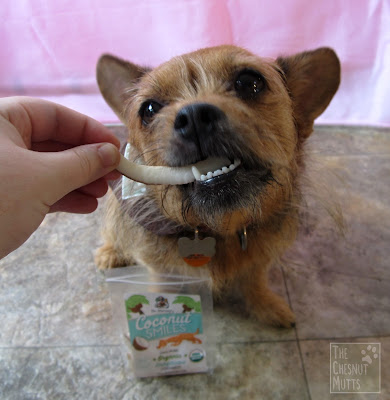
(196, 252)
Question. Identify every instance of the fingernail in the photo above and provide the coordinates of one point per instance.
(108, 153)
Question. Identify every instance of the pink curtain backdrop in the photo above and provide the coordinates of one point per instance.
(49, 48)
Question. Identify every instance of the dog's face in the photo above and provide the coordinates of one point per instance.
(247, 114)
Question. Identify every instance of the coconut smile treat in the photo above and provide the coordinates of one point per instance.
(164, 339)
(158, 175)
(163, 321)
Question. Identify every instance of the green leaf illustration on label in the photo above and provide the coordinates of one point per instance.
(134, 304)
(189, 304)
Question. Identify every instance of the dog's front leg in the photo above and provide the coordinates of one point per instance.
(116, 250)
(106, 257)
(262, 302)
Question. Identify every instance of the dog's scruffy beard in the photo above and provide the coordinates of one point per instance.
(210, 201)
(241, 189)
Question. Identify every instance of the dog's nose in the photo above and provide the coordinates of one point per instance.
(196, 120)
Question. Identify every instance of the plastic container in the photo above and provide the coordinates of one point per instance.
(165, 321)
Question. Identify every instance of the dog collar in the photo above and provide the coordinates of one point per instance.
(154, 222)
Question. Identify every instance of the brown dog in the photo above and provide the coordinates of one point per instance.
(227, 103)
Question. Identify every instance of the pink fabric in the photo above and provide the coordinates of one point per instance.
(49, 48)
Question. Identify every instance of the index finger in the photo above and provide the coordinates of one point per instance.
(40, 120)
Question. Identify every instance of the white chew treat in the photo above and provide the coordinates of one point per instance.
(152, 175)
(155, 175)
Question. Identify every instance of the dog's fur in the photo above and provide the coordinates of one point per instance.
(266, 130)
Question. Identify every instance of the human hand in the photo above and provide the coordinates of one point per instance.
(51, 159)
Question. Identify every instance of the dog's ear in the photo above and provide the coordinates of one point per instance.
(312, 79)
(116, 78)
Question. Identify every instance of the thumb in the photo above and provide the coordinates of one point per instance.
(77, 167)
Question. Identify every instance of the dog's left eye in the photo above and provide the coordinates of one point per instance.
(249, 84)
(148, 110)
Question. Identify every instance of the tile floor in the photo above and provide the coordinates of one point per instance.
(57, 340)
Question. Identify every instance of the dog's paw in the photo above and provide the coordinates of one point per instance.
(273, 310)
(107, 257)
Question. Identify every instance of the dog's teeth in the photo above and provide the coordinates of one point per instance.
(222, 170)
(211, 164)
(196, 173)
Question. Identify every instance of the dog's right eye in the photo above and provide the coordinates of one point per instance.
(249, 84)
(148, 110)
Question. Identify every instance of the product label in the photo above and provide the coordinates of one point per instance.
(166, 334)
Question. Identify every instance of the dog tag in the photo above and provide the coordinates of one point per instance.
(196, 252)
(243, 239)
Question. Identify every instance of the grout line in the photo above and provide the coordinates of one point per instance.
(334, 338)
(81, 346)
(300, 267)
(260, 342)
(304, 369)
(119, 345)
(386, 335)
(296, 336)
(308, 339)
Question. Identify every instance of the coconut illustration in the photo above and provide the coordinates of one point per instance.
(140, 343)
